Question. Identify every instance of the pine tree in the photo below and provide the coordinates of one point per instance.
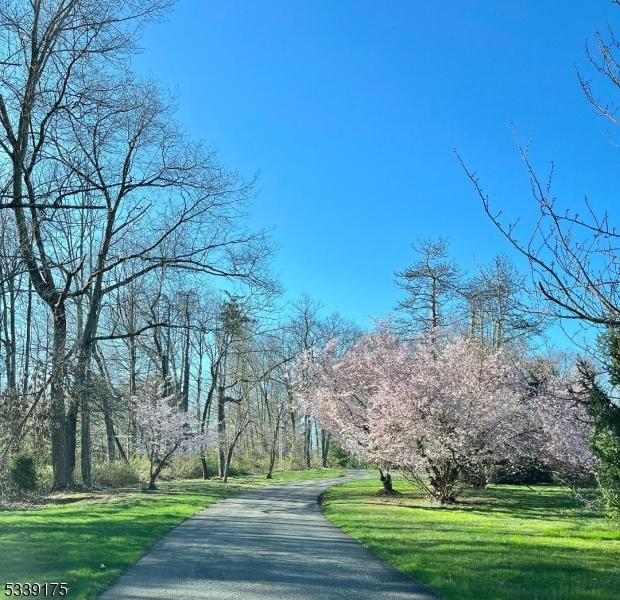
(603, 405)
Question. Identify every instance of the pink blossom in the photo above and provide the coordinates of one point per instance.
(441, 410)
(163, 430)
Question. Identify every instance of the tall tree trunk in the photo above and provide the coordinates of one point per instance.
(164, 360)
(82, 393)
(85, 442)
(82, 385)
(71, 427)
(228, 458)
(206, 411)
(12, 373)
(131, 344)
(28, 324)
(109, 428)
(120, 448)
(324, 447)
(204, 465)
(4, 336)
(221, 432)
(131, 439)
(106, 409)
(276, 437)
(307, 441)
(231, 449)
(61, 459)
(186, 362)
(274, 449)
(272, 462)
(7, 293)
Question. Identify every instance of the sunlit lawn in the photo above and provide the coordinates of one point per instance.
(71, 539)
(511, 542)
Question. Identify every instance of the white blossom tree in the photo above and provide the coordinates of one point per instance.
(163, 430)
(438, 409)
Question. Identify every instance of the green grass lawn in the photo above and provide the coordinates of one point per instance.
(69, 539)
(509, 542)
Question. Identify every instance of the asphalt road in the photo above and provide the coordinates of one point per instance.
(267, 544)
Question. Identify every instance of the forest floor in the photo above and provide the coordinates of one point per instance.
(504, 543)
(88, 539)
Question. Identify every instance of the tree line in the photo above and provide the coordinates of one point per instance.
(115, 227)
(139, 317)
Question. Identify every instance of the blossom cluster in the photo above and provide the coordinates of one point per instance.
(441, 408)
(162, 427)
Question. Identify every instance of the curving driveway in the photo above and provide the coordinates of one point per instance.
(271, 543)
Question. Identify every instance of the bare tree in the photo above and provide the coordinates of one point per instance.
(573, 254)
(55, 56)
(432, 284)
(499, 306)
(83, 137)
(308, 330)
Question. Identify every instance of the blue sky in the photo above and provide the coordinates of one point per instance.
(351, 111)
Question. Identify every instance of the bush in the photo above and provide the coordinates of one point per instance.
(45, 478)
(529, 474)
(607, 448)
(23, 475)
(337, 457)
(186, 467)
(116, 474)
(238, 471)
(190, 467)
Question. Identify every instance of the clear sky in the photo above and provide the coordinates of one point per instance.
(351, 111)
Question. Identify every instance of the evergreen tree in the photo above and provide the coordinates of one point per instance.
(603, 405)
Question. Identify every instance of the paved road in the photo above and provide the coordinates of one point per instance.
(267, 544)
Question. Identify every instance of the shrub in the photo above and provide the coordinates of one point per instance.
(23, 474)
(337, 457)
(186, 467)
(45, 478)
(116, 474)
(607, 447)
(238, 471)
(523, 474)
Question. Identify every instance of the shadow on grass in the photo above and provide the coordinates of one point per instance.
(498, 544)
(523, 502)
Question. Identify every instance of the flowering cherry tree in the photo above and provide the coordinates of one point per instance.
(163, 430)
(565, 426)
(438, 409)
(456, 411)
(343, 392)
(346, 394)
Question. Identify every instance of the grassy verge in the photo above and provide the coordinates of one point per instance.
(506, 543)
(70, 539)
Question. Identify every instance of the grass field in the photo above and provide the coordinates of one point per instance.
(509, 543)
(71, 538)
